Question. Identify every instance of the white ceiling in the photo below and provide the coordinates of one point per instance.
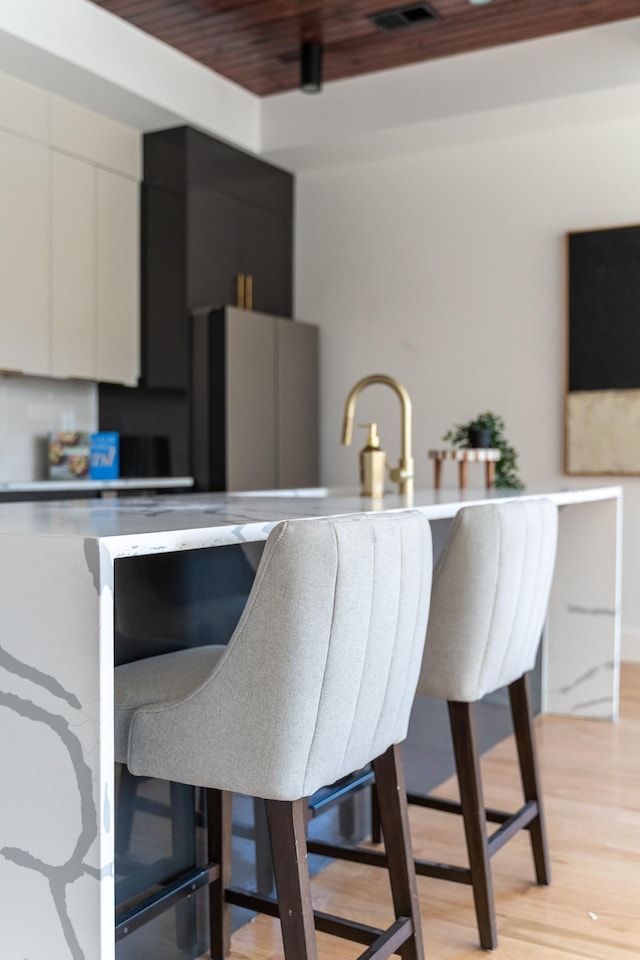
(78, 51)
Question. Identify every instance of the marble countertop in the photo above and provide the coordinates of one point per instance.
(135, 526)
(72, 486)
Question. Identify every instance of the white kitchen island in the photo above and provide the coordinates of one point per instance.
(58, 563)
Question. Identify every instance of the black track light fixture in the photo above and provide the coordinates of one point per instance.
(311, 66)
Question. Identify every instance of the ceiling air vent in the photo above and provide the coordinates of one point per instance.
(403, 17)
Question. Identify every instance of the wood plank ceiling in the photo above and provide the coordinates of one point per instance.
(256, 43)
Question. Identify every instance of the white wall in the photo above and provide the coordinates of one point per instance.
(445, 269)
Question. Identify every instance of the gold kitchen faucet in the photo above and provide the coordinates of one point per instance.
(403, 473)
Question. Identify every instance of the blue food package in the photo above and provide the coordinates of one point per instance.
(104, 456)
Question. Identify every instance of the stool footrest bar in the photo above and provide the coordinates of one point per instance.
(172, 893)
(324, 798)
(443, 871)
(373, 858)
(372, 937)
(521, 820)
(452, 806)
(390, 941)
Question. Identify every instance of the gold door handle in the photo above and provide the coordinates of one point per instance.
(240, 290)
(244, 291)
(248, 292)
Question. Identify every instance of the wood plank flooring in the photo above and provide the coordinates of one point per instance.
(591, 911)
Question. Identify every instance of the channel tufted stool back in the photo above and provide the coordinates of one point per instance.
(316, 681)
(488, 606)
(489, 599)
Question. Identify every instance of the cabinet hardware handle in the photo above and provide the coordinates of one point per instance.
(240, 290)
(248, 292)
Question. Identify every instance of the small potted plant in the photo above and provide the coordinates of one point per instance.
(487, 430)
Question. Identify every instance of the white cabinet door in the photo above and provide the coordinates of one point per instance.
(69, 241)
(95, 287)
(95, 138)
(118, 278)
(25, 342)
(24, 109)
(73, 268)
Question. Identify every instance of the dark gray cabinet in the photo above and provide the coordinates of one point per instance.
(254, 401)
(164, 346)
(210, 212)
(214, 234)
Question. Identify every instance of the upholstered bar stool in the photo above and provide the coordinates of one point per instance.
(488, 606)
(316, 682)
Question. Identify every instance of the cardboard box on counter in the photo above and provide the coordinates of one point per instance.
(69, 455)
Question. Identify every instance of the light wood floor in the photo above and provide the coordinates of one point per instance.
(591, 777)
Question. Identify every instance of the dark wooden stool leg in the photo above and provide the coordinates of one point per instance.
(264, 869)
(125, 807)
(347, 819)
(394, 818)
(287, 823)
(529, 771)
(183, 839)
(219, 843)
(376, 829)
(465, 747)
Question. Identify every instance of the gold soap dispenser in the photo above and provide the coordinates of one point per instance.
(373, 462)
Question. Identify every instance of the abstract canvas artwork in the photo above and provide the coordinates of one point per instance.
(602, 406)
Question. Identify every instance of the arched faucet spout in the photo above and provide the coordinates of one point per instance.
(403, 473)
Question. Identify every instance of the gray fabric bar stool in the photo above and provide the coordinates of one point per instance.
(317, 681)
(488, 606)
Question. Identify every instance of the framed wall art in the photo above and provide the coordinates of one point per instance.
(602, 404)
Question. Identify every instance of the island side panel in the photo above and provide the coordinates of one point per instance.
(56, 749)
(581, 661)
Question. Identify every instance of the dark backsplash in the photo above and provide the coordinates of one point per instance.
(145, 413)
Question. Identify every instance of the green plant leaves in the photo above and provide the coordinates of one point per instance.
(507, 466)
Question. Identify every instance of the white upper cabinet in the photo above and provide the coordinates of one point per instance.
(118, 278)
(25, 338)
(24, 109)
(95, 138)
(95, 277)
(73, 268)
(69, 239)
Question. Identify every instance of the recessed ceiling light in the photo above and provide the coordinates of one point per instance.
(479, 3)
